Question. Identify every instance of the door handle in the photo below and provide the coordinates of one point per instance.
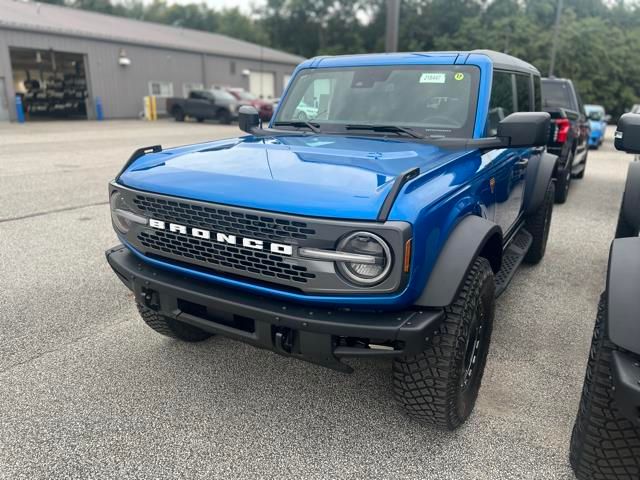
(522, 163)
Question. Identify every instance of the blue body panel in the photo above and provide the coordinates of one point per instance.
(597, 132)
(347, 177)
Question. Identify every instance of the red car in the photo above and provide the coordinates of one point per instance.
(264, 107)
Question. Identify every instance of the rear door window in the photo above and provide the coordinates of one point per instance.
(502, 102)
(523, 92)
(537, 94)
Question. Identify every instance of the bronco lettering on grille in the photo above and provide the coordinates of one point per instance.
(278, 248)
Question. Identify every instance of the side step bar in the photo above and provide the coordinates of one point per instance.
(511, 259)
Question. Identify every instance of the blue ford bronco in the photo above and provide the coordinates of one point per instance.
(384, 224)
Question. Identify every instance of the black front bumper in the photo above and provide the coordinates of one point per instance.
(626, 379)
(318, 335)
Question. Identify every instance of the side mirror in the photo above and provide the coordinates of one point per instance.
(248, 118)
(525, 129)
(627, 137)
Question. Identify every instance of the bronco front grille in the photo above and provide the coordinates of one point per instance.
(262, 227)
(240, 257)
(218, 255)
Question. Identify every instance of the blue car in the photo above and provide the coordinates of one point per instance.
(598, 124)
(384, 224)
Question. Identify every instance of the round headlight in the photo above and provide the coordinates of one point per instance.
(369, 245)
(118, 207)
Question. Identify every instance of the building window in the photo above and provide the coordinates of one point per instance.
(189, 86)
(232, 67)
(161, 89)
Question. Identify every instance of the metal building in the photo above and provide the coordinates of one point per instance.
(62, 62)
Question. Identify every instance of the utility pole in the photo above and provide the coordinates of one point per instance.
(393, 19)
(556, 31)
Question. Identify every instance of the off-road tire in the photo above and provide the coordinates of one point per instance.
(563, 181)
(538, 225)
(604, 444)
(429, 385)
(171, 328)
(178, 114)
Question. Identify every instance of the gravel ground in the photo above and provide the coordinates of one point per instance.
(87, 391)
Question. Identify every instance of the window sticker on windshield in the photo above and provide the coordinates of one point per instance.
(459, 76)
(433, 78)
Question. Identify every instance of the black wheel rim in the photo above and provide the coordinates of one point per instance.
(474, 350)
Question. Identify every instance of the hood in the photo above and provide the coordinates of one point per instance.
(596, 125)
(322, 176)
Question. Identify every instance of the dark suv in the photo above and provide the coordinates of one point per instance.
(569, 136)
(606, 436)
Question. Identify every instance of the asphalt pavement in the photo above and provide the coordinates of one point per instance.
(87, 391)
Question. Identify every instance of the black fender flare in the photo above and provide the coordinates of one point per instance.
(631, 197)
(623, 301)
(541, 172)
(473, 236)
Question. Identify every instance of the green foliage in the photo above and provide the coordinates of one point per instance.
(597, 45)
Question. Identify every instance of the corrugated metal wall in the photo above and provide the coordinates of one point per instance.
(122, 88)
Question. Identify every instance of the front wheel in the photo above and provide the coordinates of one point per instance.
(604, 444)
(538, 225)
(178, 114)
(440, 385)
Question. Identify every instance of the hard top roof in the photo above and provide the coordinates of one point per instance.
(499, 60)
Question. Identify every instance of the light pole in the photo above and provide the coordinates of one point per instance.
(393, 19)
(554, 45)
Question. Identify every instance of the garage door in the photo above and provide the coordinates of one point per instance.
(262, 84)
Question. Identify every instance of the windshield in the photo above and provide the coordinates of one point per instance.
(433, 100)
(222, 95)
(594, 112)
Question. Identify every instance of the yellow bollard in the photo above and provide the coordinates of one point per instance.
(154, 108)
(147, 108)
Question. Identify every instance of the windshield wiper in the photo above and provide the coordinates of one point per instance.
(385, 128)
(314, 127)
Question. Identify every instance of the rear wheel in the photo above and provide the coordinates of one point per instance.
(440, 385)
(538, 225)
(604, 444)
(171, 328)
(178, 114)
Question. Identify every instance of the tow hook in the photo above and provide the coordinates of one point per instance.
(151, 299)
(283, 340)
